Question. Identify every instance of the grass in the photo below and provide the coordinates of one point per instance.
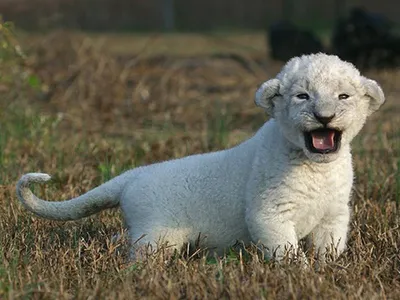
(179, 44)
(116, 113)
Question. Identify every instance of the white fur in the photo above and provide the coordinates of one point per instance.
(270, 189)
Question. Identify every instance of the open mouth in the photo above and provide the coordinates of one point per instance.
(323, 141)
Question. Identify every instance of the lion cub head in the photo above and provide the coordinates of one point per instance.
(320, 103)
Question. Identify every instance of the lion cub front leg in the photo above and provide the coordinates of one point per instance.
(330, 235)
(276, 236)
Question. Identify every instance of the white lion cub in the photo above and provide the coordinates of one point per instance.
(289, 181)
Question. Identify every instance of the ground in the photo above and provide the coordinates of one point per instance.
(96, 105)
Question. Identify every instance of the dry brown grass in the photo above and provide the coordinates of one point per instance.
(98, 113)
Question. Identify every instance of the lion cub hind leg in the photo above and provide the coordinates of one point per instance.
(165, 242)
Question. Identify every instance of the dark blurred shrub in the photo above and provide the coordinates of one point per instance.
(366, 39)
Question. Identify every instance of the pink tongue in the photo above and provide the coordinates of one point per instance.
(323, 140)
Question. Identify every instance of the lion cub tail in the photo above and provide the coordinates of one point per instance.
(102, 197)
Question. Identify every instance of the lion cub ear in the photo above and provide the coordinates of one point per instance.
(265, 93)
(375, 93)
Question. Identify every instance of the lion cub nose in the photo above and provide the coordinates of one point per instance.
(324, 119)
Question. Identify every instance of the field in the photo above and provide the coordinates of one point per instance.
(84, 108)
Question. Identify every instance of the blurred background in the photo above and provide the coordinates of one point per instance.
(178, 66)
(181, 15)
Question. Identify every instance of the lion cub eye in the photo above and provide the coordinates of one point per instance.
(343, 96)
(303, 96)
